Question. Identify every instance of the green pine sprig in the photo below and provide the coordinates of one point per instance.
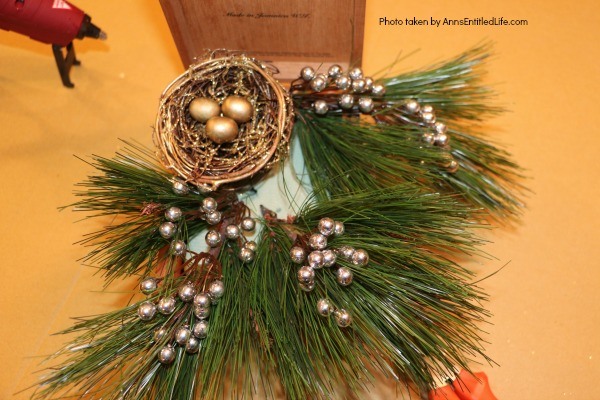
(343, 152)
(415, 312)
(452, 87)
(135, 191)
(114, 355)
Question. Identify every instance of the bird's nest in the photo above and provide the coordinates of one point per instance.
(182, 144)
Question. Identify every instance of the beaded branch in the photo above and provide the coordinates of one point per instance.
(358, 278)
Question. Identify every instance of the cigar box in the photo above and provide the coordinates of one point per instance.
(289, 34)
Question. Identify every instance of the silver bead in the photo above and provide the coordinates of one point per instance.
(166, 305)
(167, 230)
(307, 287)
(324, 307)
(317, 241)
(146, 311)
(378, 90)
(306, 275)
(316, 259)
(447, 160)
(365, 105)
(427, 108)
(182, 334)
(346, 101)
(232, 231)
(321, 107)
(339, 228)
(173, 214)
(342, 318)
(428, 138)
(213, 217)
(166, 355)
(318, 84)
(440, 127)
(209, 204)
(453, 166)
(200, 329)
(248, 224)
(213, 238)
(346, 252)
(246, 255)
(180, 187)
(368, 84)
(343, 82)
(251, 244)
(307, 73)
(358, 85)
(344, 276)
(441, 139)
(204, 188)
(216, 290)
(178, 247)
(428, 117)
(412, 106)
(326, 226)
(187, 292)
(360, 257)
(334, 71)
(202, 300)
(192, 345)
(160, 334)
(329, 258)
(297, 254)
(201, 312)
(355, 73)
(148, 285)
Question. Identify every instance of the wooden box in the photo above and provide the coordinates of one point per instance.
(290, 34)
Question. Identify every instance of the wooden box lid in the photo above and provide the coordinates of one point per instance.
(290, 34)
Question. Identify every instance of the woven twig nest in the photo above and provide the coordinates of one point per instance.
(182, 143)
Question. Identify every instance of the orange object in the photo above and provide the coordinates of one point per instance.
(469, 386)
(443, 393)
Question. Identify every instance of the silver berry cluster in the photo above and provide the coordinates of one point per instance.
(186, 336)
(234, 232)
(173, 215)
(439, 132)
(359, 90)
(168, 230)
(326, 308)
(320, 256)
(180, 187)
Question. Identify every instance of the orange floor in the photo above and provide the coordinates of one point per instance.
(546, 306)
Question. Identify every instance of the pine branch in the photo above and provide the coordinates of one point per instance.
(231, 347)
(487, 176)
(343, 151)
(136, 191)
(414, 311)
(114, 355)
(309, 355)
(453, 86)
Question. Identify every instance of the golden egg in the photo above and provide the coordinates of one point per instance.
(203, 109)
(237, 108)
(221, 129)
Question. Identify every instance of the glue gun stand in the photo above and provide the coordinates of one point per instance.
(64, 62)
